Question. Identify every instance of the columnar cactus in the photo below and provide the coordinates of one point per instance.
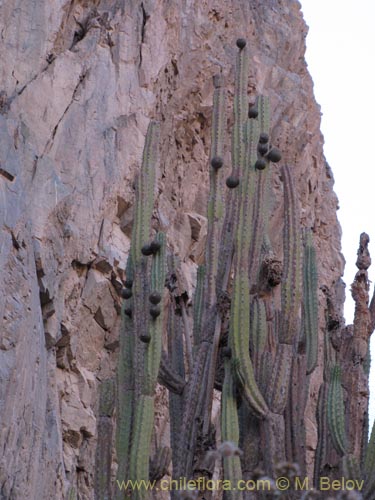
(126, 372)
(292, 274)
(310, 304)
(144, 406)
(140, 340)
(260, 217)
(255, 318)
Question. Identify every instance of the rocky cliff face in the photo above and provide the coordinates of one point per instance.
(80, 81)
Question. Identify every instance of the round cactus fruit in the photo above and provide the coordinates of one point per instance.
(216, 162)
(128, 283)
(145, 338)
(146, 250)
(227, 352)
(260, 164)
(274, 155)
(241, 43)
(253, 112)
(263, 138)
(126, 293)
(155, 311)
(155, 246)
(232, 182)
(262, 149)
(154, 298)
(128, 312)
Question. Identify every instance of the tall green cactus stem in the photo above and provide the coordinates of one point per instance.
(144, 201)
(230, 432)
(239, 329)
(208, 337)
(261, 198)
(176, 361)
(138, 366)
(154, 347)
(280, 378)
(238, 153)
(169, 377)
(193, 400)
(125, 386)
(292, 280)
(215, 202)
(265, 370)
(240, 111)
(140, 446)
(183, 409)
(310, 303)
(198, 393)
(145, 187)
(323, 430)
(367, 363)
(160, 463)
(215, 219)
(131, 356)
(72, 494)
(336, 412)
(295, 440)
(351, 468)
(258, 334)
(272, 442)
(304, 361)
(144, 406)
(104, 445)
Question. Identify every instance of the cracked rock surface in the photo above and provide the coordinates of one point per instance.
(80, 80)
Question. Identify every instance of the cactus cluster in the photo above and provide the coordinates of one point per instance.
(255, 334)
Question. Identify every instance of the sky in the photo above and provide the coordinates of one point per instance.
(340, 58)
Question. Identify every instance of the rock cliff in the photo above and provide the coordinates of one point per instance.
(80, 80)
